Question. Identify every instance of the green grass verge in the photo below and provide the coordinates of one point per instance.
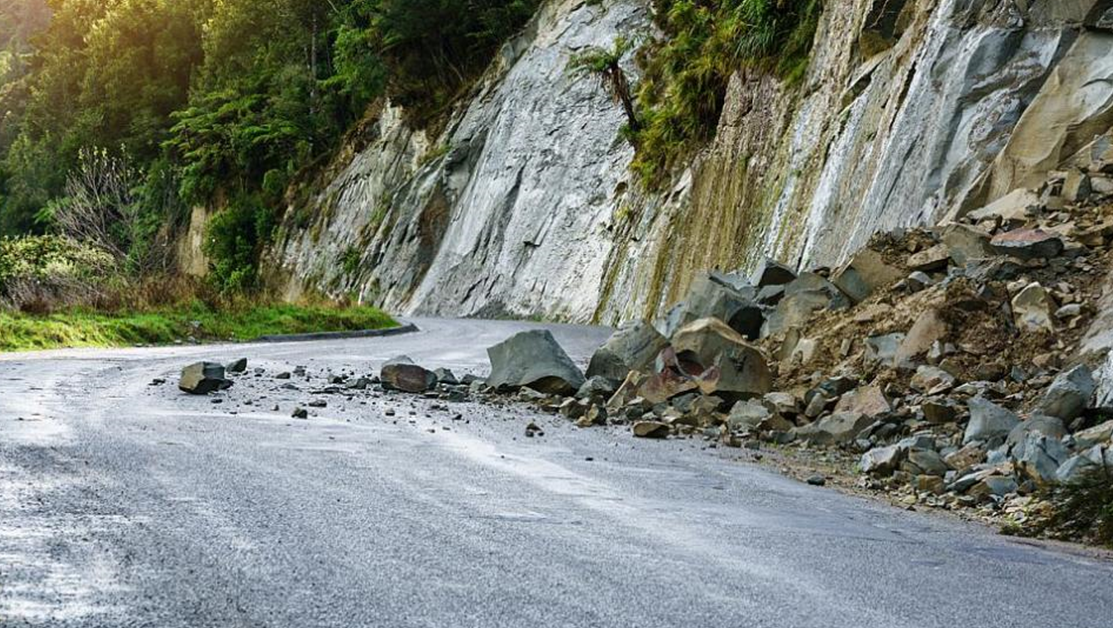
(83, 328)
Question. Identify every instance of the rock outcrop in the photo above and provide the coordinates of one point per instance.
(523, 205)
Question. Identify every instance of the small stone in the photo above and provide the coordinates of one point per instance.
(651, 429)
(300, 413)
(932, 259)
(1032, 309)
(237, 366)
(816, 480)
(932, 380)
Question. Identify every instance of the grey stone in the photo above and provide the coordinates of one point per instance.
(203, 378)
(1049, 426)
(772, 273)
(867, 400)
(838, 428)
(1079, 465)
(866, 272)
(931, 259)
(989, 422)
(237, 366)
(732, 368)
(747, 415)
(927, 462)
(533, 359)
(1098, 435)
(938, 412)
(1039, 457)
(597, 388)
(446, 376)
(782, 403)
(1069, 394)
(714, 295)
(882, 461)
(634, 347)
(932, 380)
(883, 349)
(1033, 309)
(966, 243)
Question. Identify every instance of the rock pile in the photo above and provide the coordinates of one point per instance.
(947, 361)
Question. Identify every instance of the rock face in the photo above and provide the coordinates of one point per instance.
(524, 205)
(203, 378)
(533, 359)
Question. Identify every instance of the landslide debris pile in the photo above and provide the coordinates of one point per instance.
(945, 362)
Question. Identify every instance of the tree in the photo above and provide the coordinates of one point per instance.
(606, 65)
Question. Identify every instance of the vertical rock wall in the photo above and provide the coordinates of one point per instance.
(911, 111)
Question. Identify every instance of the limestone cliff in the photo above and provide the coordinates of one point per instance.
(911, 111)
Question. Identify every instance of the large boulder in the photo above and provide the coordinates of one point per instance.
(202, 378)
(533, 359)
(989, 422)
(836, 429)
(1069, 394)
(731, 367)
(728, 298)
(402, 374)
(631, 348)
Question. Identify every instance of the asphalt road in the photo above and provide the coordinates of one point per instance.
(125, 504)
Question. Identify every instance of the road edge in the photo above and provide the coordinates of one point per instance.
(408, 328)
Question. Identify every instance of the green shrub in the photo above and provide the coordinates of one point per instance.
(686, 71)
(1081, 510)
(234, 239)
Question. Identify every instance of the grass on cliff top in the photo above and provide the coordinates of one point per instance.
(86, 328)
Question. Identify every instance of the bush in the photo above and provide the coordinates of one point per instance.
(686, 71)
(1081, 510)
(233, 241)
(39, 272)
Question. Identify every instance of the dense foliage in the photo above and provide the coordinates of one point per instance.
(686, 71)
(219, 102)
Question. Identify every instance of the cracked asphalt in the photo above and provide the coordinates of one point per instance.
(126, 504)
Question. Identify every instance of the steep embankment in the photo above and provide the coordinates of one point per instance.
(911, 111)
